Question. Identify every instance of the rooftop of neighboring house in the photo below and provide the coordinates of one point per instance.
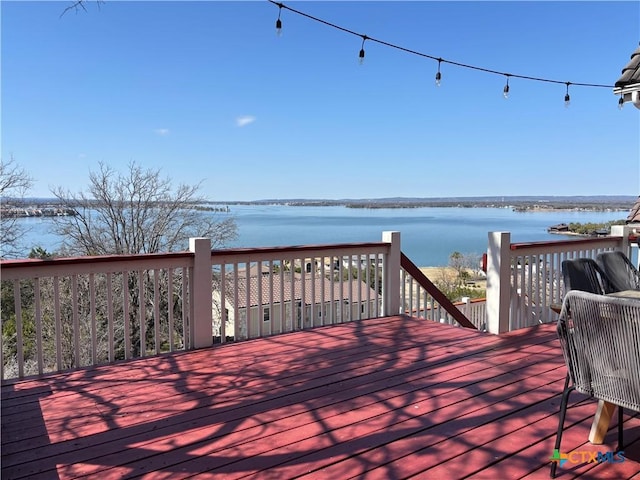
(634, 213)
(631, 71)
(316, 288)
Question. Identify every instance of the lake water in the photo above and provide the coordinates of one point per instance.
(428, 235)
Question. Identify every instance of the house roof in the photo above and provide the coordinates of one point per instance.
(294, 290)
(634, 213)
(631, 71)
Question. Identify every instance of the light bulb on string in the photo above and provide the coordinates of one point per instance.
(567, 98)
(505, 90)
(361, 54)
(278, 21)
(621, 101)
(438, 74)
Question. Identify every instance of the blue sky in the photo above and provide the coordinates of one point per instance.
(208, 92)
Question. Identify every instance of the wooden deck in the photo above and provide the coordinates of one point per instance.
(382, 399)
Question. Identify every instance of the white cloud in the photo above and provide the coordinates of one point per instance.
(162, 131)
(245, 120)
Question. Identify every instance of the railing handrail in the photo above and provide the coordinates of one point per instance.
(593, 242)
(434, 291)
(471, 300)
(568, 243)
(9, 266)
(21, 262)
(20, 269)
(296, 248)
(271, 253)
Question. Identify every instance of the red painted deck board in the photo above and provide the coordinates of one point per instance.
(380, 399)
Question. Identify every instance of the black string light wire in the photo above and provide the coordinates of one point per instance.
(440, 60)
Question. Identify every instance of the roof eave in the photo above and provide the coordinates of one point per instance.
(633, 87)
(629, 94)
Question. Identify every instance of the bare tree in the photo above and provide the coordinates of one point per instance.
(457, 261)
(466, 266)
(137, 211)
(132, 212)
(14, 184)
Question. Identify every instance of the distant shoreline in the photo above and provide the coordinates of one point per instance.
(517, 204)
(596, 203)
(38, 208)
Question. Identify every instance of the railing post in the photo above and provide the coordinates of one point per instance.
(622, 231)
(201, 302)
(625, 246)
(498, 282)
(466, 307)
(391, 272)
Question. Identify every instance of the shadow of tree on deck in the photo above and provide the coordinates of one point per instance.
(399, 395)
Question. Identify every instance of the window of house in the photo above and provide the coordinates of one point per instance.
(266, 314)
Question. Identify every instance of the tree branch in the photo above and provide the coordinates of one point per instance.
(78, 4)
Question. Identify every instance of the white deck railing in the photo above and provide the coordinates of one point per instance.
(421, 298)
(525, 279)
(69, 313)
(72, 312)
(265, 291)
(475, 310)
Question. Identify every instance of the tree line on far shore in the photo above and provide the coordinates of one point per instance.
(590, 228)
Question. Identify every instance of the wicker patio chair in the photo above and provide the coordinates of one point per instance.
(586, 275)
(622, 274)
(600, 340)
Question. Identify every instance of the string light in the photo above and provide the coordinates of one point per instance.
(278, 21)
(361, 54)
(621, 101)
(505, 90)
(440, 60)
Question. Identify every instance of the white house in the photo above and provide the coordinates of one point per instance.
(268, 303)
